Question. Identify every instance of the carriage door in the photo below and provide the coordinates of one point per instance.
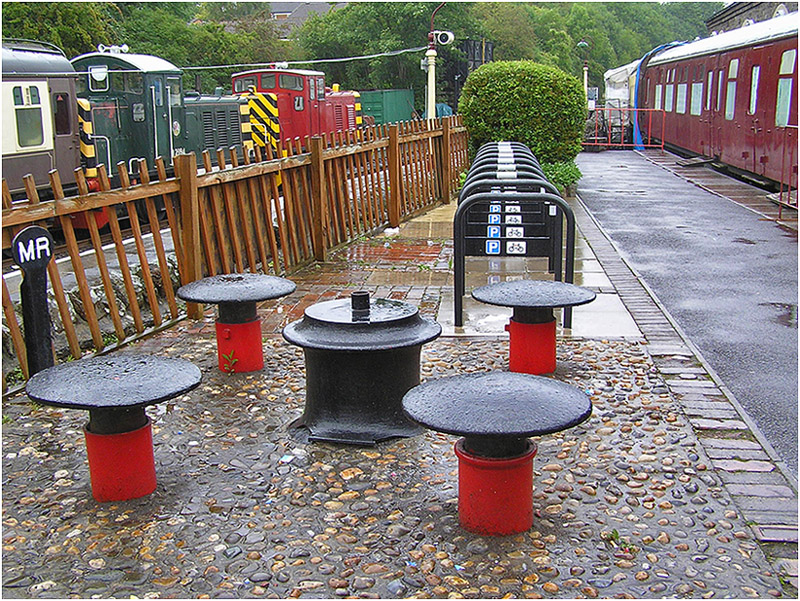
(313, 105)
(717, 116)
(756, 122)
(161, 127)
(176, 114)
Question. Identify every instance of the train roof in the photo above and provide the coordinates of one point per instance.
(138, 62)
(26, 57)
(764, 31)
(277, 70)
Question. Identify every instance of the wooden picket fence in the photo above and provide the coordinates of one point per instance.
(262, 214)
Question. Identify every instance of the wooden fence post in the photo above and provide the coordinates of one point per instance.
(186, 173)
(447, 160)
(319, 201)
(394, 175)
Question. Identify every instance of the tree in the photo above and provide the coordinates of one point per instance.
(75, 27)
(371, 28)
(522, 101)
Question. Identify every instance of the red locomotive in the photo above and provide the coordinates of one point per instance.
(305, 106)
(731, 97)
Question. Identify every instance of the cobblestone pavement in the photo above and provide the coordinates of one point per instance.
(633, 503)
(625, 504)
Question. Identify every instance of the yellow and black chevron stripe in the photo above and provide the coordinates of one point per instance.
(246, 126)
(88, 157)
(265, 128)
(359, 114)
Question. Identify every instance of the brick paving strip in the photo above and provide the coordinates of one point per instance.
(761, 487)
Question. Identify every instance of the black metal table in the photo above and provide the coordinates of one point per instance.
(239, 345)
(115, 389)
(496, 412)
(532, 329)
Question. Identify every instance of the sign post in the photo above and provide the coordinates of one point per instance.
(32, 249)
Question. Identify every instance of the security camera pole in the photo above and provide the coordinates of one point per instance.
(430, 103)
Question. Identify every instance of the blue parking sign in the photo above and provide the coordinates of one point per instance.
(493, 231)
(495, 208)
(494, 218)
(493, 247)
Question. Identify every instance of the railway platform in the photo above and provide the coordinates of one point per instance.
(667, 490)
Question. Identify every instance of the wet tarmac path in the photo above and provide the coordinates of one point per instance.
(727, 275)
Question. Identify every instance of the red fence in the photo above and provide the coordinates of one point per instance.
(613, 127)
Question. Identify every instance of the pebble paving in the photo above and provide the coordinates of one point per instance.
(626, 504)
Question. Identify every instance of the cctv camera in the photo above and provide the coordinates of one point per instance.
(444, 37)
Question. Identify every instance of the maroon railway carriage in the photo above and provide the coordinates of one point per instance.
(306, 107)
(729, 97)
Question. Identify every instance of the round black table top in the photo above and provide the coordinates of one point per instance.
(533, 294)
(389, 324)
(497, 404)
(236, 288)
(117, 381)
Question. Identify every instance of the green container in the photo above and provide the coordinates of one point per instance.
(388, 106)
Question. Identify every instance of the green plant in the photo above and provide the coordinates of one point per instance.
(523, 101)
(15, 376)
(229, 363)
(562, 174)
(6, 419)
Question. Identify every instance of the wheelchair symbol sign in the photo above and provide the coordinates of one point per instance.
(493, 247)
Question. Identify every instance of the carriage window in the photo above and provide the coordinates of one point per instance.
(754, 89)
(709, 88)
(98, 78)
(290, 82)
(312, 91)
(657, 101)
(117, 81)
(243, 83)
(784, 101)
(730, 100)
(268, 80)
(697, 98)
(320, 88)
(668, 93)
(787, 62)
(158, 91)
(61, 115)
(733, 69)
(719, 89)
(134, 83)
(30, 129)
(680, 101)
(174, 88)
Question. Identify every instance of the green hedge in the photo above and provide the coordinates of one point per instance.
(523, 101)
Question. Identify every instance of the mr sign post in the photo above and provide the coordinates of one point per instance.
(32, 249)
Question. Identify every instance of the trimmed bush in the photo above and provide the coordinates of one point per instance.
(523, 101)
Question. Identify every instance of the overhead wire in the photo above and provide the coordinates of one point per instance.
(311, 61)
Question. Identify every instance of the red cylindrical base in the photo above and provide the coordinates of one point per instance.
(532, 347)
(495, 495)
(121, 466)
(239, 347)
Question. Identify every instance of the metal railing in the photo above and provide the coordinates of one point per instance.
(613, 127)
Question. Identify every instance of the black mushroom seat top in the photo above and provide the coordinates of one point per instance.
(533, 294)
(497, 404)
(236, 288)
(116, 381)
